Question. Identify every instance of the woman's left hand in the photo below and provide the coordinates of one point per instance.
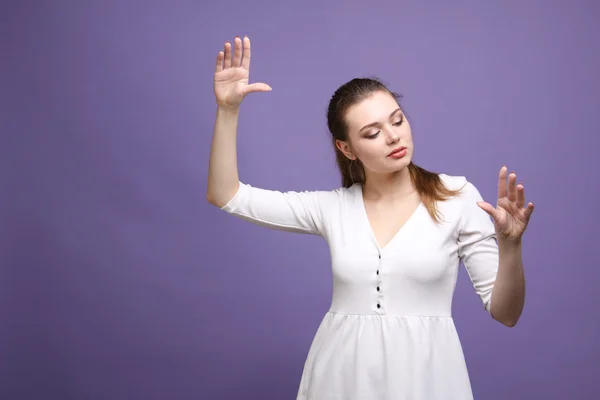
(510, 218)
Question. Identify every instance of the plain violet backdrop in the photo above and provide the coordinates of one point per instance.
(119, 280)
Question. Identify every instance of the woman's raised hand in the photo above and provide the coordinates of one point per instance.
(232, 72)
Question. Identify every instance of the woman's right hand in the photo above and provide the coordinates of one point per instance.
(231, 75)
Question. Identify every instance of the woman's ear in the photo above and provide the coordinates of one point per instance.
(345, 148)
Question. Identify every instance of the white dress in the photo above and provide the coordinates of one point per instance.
(389, 333)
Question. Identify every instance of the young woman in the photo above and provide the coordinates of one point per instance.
(397, 234)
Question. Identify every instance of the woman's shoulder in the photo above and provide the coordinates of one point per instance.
(337, 194)
(453, 182)
(468, 193)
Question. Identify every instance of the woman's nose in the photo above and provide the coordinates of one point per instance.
(392, 136)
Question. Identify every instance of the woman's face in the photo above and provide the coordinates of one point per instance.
(376, 128)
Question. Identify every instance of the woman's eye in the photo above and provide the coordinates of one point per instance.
(373, 136)
(399, 122)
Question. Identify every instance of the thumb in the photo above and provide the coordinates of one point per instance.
(489, 209)
(257, 87)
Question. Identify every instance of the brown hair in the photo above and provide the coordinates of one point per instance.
(428, 184)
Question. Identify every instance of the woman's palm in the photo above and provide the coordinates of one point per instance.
(230, 84)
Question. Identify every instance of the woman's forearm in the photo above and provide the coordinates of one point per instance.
(223, 176)
(508, 294)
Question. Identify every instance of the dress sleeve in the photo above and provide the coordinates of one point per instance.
(477, 245)
(298, 212)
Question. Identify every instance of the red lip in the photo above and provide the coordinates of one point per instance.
(399, 149)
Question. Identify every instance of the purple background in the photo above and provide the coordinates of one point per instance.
(119, 280)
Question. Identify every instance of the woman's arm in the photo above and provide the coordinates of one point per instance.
(510, 220)
(231, 87)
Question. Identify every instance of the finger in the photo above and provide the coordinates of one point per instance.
(489, 209)
(220, 57)
(512, 190)
(227, 55)
(237, 52)
(246, 55)
(257, 87)
(520, 195)
(529, 210)
(502, 182)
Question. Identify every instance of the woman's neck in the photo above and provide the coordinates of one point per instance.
(389, 187)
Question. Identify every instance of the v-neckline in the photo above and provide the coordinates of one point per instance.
(370, 227)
